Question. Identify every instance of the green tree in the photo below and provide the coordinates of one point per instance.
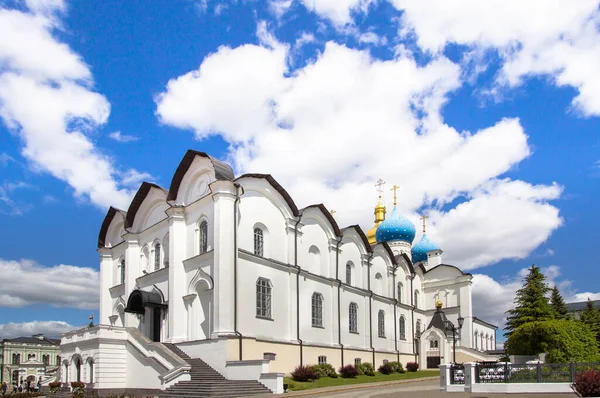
(564, 340)
(558, 304)
(591, 317)
(531, 302)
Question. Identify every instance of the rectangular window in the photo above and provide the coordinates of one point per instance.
(322, 359)
(317, 310)
(356, 361)
(353, 318)
(263, 298)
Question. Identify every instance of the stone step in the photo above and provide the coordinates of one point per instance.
(177, 350)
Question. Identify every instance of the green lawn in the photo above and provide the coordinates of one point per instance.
(330, 382)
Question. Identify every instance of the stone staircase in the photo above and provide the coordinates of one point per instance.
(207, 382)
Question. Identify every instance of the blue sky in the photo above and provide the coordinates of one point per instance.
(486, 116)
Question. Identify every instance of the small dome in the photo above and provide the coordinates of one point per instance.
(420, 250)
(396, 228)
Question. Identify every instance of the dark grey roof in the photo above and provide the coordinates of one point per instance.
(438, 320)
(33, 340)
(580, 306)
(475, 319)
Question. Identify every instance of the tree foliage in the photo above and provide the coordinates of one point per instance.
(591, 317)
(564, 340)
(558, 304)
(531, 302)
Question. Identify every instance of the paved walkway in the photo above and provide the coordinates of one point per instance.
(419, 388)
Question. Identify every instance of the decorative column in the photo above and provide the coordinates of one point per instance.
(177, 279)
(107, 269)
(224, 256)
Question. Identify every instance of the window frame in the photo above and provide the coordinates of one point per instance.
(381, 323)
(402, 328)
(317, 310)
(353, 318)
(259, 242)
(349, 273)
(399, 291)
(122, 265)
(264, 295)
(322, 359)
(203, 237)
(157, 262)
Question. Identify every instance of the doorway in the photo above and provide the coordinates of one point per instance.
(433, 362)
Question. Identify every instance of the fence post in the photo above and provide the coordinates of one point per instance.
(506, 372)
(572, 372)
(539, 372)
(470, 377)
(445, 376)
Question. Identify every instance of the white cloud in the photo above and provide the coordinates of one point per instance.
(583, 297)
(372, 38)
(50, 329)
(328, 130)
(5, 159)
(58, 286)
(117, 136)
(556, 39)
(134, 178)
(279, 7)
(52, 105)
(10, 206)
(305, 38)
(337, 11)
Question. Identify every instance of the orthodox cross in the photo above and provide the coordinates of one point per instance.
(424, 217)
(332, 212)
(379, 186)
(394, 188)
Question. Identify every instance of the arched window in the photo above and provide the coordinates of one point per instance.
(91, 370)
(416, 301)
(400, 292)
(14, 359)
(418, 329)
(476, 340)
(259, 243)
(317, 310)
(204, 237)
(381, 323)
(46, 359)
(353, 317)
(402, 328)
(378, 284)
(165, 250)
(123, 271)
(482, 346)
(433, 344)
(58, 359)
(348, 273)
(263, 298)
(157, 256)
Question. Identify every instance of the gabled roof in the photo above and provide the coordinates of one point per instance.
(443, 265)
(286, 196)
(475, 319)
(329, 217)
(137, 201)
(223, 171)
(581, 305)
(33, 340)
(361, 234)
(438, 320)
(112, 211)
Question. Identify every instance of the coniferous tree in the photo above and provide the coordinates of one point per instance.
(591, 317)
(558, 304)
(531, 302)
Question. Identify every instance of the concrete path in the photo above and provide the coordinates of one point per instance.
(418, 388)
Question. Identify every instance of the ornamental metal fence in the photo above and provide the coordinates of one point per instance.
(505, 372)
(457, 373)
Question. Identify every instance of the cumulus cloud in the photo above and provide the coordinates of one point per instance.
(58, 286)
(329, 129)
(9, 205)
(372, 38)
(52, 105)
(338, 11)
(556, 39)
(117, 136)
(51, 329)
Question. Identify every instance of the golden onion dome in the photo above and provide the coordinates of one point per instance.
(379, 218)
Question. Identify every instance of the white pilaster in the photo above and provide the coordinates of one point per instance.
(177, 278)
(224, 256)
(466, 311)
(106, 282)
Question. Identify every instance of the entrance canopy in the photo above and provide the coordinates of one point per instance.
(139, 299)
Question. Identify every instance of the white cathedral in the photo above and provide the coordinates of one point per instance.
(230, 271)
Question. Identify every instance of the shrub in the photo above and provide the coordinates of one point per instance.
(77, 389)
(348, 371)
(587, 384)
(54, 386)
(397, 367)
(304, 373)
(412, 366)
(325, 370)
(386, 369)
(315, 369)
(366, 369)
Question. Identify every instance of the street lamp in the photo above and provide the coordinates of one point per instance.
(451, 328)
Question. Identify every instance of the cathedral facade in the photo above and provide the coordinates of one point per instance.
(230, 270)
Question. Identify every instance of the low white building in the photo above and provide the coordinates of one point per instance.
(230, 269)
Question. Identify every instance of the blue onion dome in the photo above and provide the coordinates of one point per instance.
(396, 228)
(420, 250)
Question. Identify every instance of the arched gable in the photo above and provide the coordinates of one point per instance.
(446, 271)
(200, 279)
(147, 207)
(193, 175)
(355, 233)
(319, 213)
(261, 183)
(106, 238)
